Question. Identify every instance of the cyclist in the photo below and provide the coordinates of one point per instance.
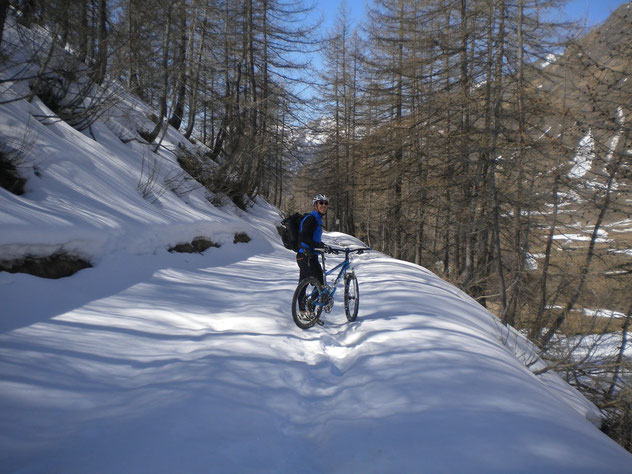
(310, 246)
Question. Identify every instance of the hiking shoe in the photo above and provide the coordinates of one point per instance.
(305, 315)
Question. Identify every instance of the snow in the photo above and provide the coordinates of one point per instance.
(603, 313)
(544, 134)
(584, 157)
(152, 361)
(594, 347)
(621, 252)
(191, 363)
(624, 225)
(549, 59)
(532, 260)
(583, 237)
(614, 141)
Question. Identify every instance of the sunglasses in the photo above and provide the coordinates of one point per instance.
(323, 203)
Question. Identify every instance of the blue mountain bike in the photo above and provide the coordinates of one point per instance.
(319, 296)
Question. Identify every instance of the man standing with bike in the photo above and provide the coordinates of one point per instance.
(310, 245)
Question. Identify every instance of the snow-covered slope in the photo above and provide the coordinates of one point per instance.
(162, 362)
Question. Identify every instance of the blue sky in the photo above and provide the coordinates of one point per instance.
(595, 11)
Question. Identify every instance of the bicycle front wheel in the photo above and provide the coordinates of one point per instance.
(305, 310)
(352, 296)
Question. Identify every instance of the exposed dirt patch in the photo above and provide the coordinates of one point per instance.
(57, 265)
(9, 177)
(197, 245)
(241, 238)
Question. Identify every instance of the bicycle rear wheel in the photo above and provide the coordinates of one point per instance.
(352, 296)
(312, 291)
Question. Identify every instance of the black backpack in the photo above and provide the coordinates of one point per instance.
(290, 233)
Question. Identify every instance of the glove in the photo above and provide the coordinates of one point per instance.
(328, 249)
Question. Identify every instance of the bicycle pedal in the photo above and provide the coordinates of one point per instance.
(319, 322)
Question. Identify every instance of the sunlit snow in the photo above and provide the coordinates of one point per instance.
(584, 157)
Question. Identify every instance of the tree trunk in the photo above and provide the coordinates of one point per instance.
(102, 55)
(165, 77)
(620, 354)
(196, 67)
(178, 109)
(4, 6)
(498, 99)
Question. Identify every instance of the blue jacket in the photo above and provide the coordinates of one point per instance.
(310, 233)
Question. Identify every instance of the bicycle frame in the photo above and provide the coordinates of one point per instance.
(330, 290)
(343, 266)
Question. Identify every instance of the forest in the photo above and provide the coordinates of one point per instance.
(482, 139)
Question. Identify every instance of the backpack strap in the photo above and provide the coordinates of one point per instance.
(302, 245)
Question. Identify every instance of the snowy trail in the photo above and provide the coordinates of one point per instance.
(192, 364)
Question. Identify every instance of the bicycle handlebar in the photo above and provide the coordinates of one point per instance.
(347, 250)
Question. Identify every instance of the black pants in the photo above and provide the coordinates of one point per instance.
(308, 266)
